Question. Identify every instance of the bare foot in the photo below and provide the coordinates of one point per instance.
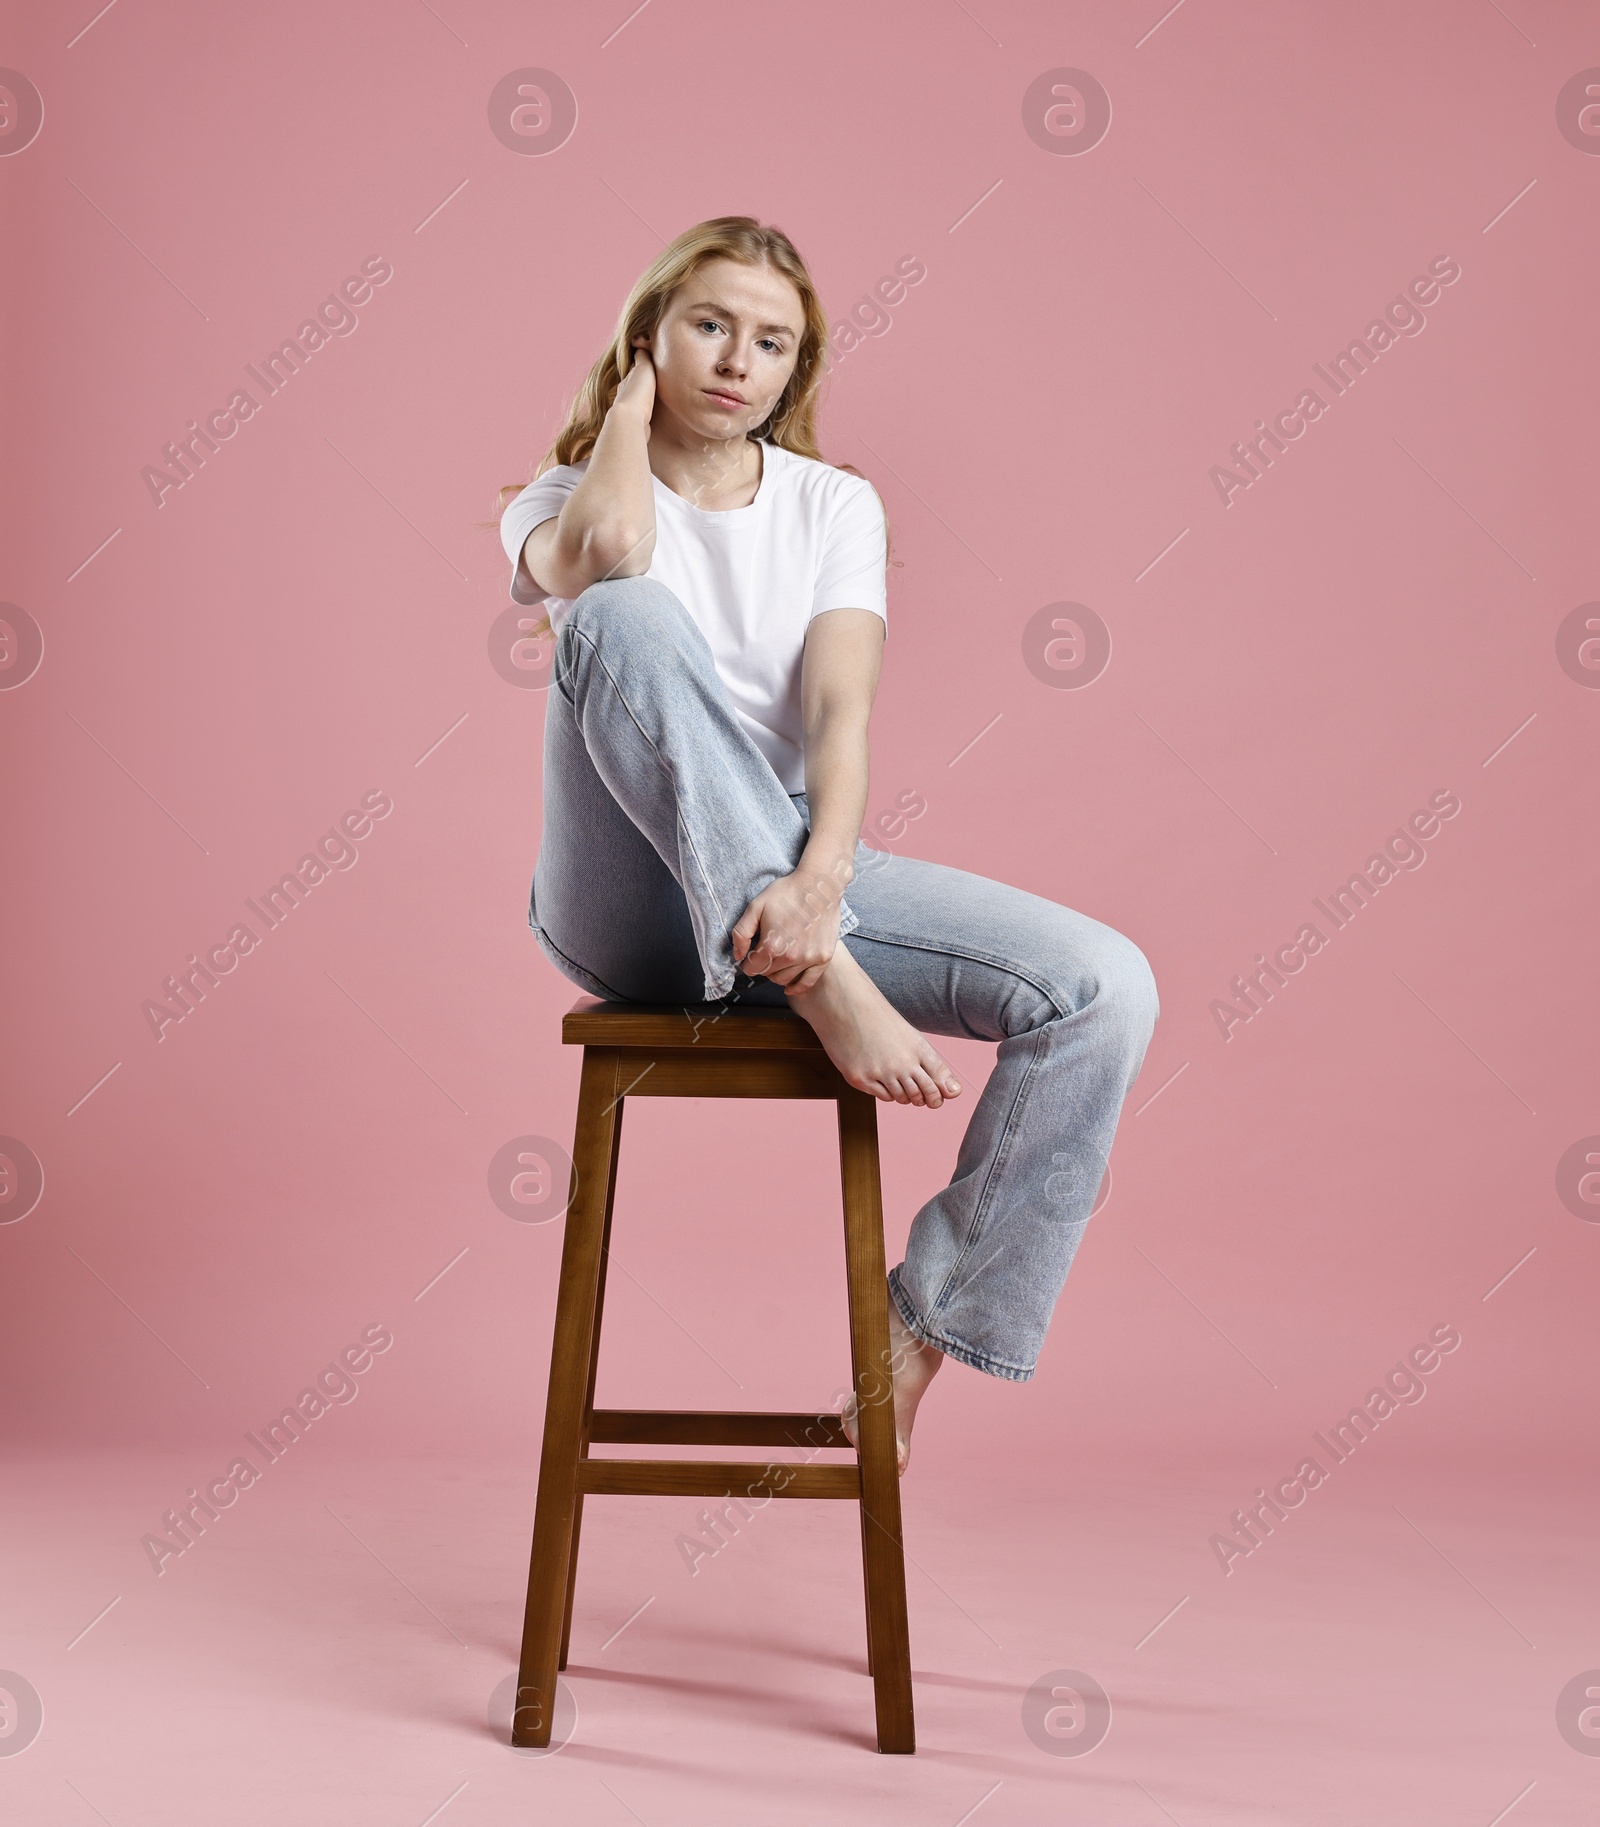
(875, 1048)
(913, 1364)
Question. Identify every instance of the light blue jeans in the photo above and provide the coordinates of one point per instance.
(663, 821)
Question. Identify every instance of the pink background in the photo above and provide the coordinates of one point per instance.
(1373, 621)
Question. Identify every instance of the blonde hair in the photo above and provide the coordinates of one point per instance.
(792, 422)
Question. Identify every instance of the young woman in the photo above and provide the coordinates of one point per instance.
(717, 592)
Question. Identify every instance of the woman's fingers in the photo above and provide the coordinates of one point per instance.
(783, 961)
(798, 973)
(769, 951)
(767, 944)
(781, 935)
(744, 932)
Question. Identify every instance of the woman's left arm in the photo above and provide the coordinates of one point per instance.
(838, 682)
(789, 931)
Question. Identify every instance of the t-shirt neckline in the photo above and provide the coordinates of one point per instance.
(715, 514)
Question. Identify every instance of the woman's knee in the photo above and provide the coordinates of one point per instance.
(635, 628)
(622, 612)
(1126, 977)
(1110, 975)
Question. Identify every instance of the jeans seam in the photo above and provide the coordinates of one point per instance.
(975, 956)
(980, 1210)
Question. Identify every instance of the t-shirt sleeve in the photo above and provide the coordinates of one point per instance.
(541, 500)
(853, 574)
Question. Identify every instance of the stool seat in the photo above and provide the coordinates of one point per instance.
(593, 1023)
(709, 1050)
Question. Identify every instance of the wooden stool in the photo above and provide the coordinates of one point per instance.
(635, 1050)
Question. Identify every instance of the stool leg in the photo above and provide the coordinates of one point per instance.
(865, 1526)
(588, 1399)
(883, 1557)
(593, 1159)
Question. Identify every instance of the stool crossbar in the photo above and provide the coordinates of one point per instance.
(636, 1050)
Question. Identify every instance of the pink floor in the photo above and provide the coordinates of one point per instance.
(332, 1649)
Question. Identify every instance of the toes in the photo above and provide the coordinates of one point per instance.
(929, 1089)
(942, 1073)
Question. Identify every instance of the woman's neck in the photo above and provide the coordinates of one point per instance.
(709, 474)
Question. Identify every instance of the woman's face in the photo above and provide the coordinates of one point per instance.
(725, 348)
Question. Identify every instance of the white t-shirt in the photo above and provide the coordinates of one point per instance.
(752, 577)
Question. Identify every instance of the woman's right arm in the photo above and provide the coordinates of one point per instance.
(607, 526)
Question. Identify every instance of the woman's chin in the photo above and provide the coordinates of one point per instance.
(711, 421)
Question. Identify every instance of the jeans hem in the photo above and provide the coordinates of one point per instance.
(953, 1348)
(727, 981)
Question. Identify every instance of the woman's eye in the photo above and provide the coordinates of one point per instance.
(708, 323)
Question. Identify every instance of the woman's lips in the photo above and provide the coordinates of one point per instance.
(723, 399)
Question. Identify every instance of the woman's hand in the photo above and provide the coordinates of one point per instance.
(636, 394)
(789, 931)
